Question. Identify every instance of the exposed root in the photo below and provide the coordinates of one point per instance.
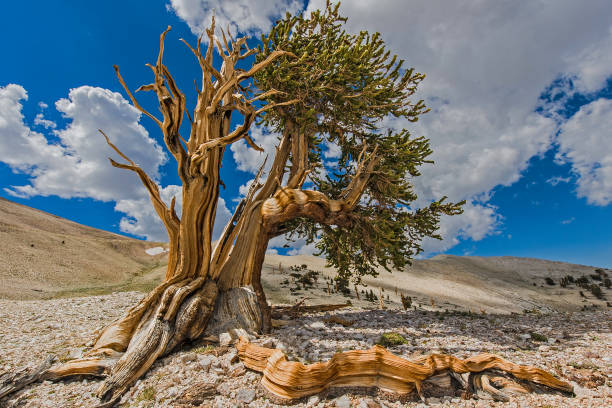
(182, 313)
(88, 367)
(377, 367)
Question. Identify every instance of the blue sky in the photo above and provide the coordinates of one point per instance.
(520, 123)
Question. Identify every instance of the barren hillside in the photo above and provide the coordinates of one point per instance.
(493, 284)
(44, 256)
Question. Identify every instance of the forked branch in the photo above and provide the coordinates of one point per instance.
(167, 215)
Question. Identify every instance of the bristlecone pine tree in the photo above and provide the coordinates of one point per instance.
(314, 84)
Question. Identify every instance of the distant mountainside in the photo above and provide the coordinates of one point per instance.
(467, 283)
(43, 255)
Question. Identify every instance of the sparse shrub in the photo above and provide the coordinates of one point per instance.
(391, 339)
(406, 302)
(148, 394)
(583, 282)
(601, 272)
(596, 291)
(607, 283)
(566, 281)
(596, 277)
(204, 349)
(303, 276)
(550, 281)
(538, 337)
(342, 285)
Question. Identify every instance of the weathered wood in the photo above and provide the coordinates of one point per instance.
(12, 382)
(377, 367)
(279, 311)
(338, 320)
(236, 309)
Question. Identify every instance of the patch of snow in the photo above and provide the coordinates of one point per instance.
(155, 251)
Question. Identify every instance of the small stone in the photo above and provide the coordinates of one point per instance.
(245, 395)
(230, 357)
(368, 403)
(268, 343)
(525, 336)
(186, 358)
(206, 361)
(225, 339)
(343, 402)
(224, 389)
(74, 353)
(312, 401)
(317, 325)
(237, 371)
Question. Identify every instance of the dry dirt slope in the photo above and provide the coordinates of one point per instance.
(34, 263)
(42, 255)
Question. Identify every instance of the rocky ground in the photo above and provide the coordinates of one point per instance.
(575, 346)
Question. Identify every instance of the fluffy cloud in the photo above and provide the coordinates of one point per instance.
(244, 16)
(76, 165)
(250, 160)
(476, 222)
(21, 148)
(486, 65)
(584, 142)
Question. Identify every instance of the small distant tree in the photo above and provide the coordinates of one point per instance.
(317, 86)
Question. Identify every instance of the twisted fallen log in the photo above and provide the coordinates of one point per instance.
(485, 375)
(299, 308)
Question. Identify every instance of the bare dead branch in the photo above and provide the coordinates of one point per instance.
(204, 64)
(134, 101)
(168, 216)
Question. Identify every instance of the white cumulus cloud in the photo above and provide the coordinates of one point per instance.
(75, 162)
(487, 64)
(584, 142)
(241, 16)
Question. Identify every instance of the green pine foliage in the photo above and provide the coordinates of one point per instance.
(346, 84)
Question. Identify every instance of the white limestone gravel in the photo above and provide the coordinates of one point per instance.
(575, 346)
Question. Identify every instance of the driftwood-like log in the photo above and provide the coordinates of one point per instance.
(12, 382)
(377, 367)
(279, 311)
